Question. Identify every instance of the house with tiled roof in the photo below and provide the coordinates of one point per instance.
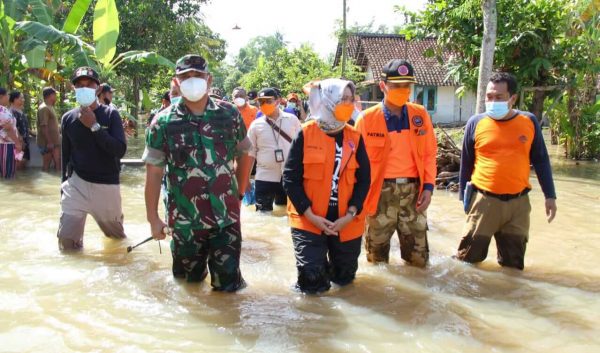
(434, 89)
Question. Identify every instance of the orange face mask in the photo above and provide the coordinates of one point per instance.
(268, 109)
(343, 112)
(397, 96)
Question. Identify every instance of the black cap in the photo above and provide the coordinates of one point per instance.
(252, 95)
(270, 92)
(48, 91)
(105, 87)
(190, 62)
(398, 71)
(85, 71)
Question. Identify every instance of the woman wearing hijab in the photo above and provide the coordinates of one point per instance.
(327, 178)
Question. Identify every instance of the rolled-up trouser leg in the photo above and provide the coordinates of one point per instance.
(311, 261)
(381, 226)
(511, 240)
(224, 247)
(483, 221)
(343, 259)
(74, 209)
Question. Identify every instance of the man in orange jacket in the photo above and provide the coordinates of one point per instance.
(402, 148)
(240, 99)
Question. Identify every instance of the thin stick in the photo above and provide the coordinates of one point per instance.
(130, 248)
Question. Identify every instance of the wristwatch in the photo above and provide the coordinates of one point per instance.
(352, 213)
(96, 127)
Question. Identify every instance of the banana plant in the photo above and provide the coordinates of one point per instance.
(61, 50)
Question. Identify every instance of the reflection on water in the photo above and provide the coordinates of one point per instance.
(104, 300)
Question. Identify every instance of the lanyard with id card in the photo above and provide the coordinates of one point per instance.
(279, 157)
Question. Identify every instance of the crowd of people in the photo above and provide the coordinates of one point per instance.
(342, 173)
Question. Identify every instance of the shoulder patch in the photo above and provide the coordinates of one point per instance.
(417, 120)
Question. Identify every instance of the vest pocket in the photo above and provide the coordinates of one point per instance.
(314, 166)
(350, 172)
(375, 149)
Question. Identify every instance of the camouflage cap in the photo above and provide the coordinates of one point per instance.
(191, 62)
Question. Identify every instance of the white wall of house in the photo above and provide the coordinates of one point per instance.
(464, 107)
(450, 108)
(444, 108)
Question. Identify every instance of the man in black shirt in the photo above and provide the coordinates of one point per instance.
(93, 142)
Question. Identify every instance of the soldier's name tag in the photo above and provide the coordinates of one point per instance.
(279, 155)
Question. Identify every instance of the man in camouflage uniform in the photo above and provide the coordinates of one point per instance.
(203, 145)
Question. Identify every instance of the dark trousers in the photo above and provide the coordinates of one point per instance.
(321, 259)
(266, 192)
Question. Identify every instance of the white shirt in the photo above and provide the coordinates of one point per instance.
(265, 140)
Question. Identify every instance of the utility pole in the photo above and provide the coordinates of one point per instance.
(344, 42)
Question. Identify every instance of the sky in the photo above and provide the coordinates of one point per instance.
(304, 21)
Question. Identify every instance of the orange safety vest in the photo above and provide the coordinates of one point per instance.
(371, 124)
(248, 114)
(319, 155)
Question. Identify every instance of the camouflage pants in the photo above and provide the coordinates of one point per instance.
(219, 248)
(396, 211)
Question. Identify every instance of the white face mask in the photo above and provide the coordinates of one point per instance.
(85, 96)
(193, 89)
(240, 102)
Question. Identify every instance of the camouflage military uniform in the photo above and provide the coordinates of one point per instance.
(202, 192)
(396, 211)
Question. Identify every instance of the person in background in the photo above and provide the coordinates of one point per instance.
(201, 144)
(252, 98)
(93, 143)
(165, 102)
(48, 131)
(10, 144)
(4, 99)
(402, 148)
(248, 111)
(499, 147)
(327, 177)
(271, 137)
(295, 106)
(17, 103)
(105, 95)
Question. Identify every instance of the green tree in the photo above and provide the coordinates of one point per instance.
(526, 39)
(577, 110)
(290, 70)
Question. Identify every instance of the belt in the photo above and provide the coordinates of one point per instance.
(401, 180)
(503, 197)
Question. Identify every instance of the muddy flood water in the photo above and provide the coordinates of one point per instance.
(104, 300)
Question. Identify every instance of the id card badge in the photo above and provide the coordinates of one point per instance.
(279, 156)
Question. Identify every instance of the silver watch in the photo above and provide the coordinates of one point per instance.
(352, 213)
(96, 127)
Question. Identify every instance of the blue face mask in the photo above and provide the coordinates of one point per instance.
(175, 100)
(85, 96)
(291, 105)
(497, 110)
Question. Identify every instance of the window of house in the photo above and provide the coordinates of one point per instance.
(426, 96)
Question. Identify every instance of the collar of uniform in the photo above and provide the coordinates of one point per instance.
(183, 110)
(388, 114)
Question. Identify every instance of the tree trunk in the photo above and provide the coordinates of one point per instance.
(136, 101)
(537, 106)
(488, 45)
